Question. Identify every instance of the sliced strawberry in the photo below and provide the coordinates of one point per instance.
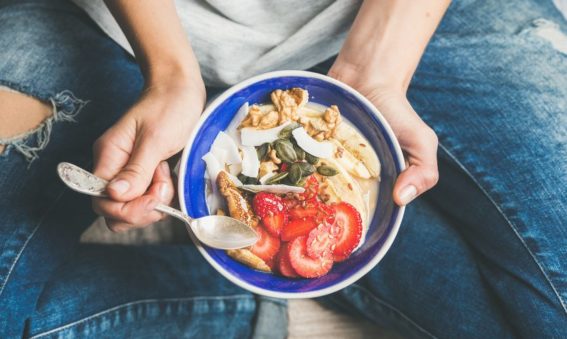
(347, 228)
(313, 209)
(304, 265)
(320, 241)
(272, 263)
(297, 227)
(266, 246)
(271, 209)
(283, 264)
(311, 188)
(275, 223)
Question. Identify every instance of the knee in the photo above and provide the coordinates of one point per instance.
(25, 121)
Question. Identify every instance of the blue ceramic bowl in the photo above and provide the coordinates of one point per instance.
(357, 109)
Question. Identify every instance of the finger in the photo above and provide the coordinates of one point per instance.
(117, 226)
(421, 174)
(133, 179)
(162, 184)
(138, 212)
(112, 150)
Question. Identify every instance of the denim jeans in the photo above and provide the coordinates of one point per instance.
(484, 254)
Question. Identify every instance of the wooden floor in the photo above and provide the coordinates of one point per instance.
(307, 319)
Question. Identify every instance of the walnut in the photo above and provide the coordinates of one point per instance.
(325, 127)
(289, 102)
(267, 167)
(269, 120)
(274, 157)
(253, 117)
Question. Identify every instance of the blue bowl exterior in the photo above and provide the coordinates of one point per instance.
(355, 111)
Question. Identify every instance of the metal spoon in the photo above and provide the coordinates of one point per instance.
(214, 230)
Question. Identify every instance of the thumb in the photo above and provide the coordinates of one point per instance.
(135, 177)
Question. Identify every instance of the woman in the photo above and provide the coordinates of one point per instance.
(481, 255)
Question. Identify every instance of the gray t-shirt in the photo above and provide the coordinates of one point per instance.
(234, 40)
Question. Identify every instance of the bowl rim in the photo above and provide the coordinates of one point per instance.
(183, 167)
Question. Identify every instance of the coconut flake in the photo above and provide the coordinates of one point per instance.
(316, 148)
(235, 169)
(213, 166)
(250, 162)
(234, 179)
(225, 142)
(277, 189)
(232, 129)
(220, 154)
(251, 136)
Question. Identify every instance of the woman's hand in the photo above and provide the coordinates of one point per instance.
(417, 140)
(378, 59)
(132, 153)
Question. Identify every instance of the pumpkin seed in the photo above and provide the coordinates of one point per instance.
(276, 178)
(295, 173)
(262, 151)
(285, 151)
(299, 151)
(313, 160)
(327, 171)
(306, 168)
(286, 132)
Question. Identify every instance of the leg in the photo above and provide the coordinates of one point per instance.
(49, 284)
(492, 84)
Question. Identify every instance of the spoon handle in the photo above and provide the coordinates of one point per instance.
(85, 182)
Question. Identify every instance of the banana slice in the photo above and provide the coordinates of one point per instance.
(355, 143)
(342, 187)
(248, 258)
(349, 161)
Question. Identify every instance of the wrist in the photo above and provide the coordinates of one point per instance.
(370, 79)
(175, 76)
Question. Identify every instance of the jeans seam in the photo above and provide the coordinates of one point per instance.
(510, 223)
(17, 258)
(391, 307)
(135, 303)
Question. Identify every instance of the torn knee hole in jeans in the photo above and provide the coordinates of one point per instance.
(550, 32)
(26, 122)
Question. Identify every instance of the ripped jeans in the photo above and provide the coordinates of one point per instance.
(484, 254)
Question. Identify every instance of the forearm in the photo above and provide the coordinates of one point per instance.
(159, 42)
(386, 42)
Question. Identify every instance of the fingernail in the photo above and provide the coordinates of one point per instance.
(407, 194)
(164, 167)
(163, 192)
(151, 205)
(119, 186)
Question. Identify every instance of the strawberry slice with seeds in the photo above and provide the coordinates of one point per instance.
(320, 241)
(304, 265)
(267, 246)
(271, 209)
(275, 223)
(347, 229)
(297, 227)
(283, 264)
(313, 209)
